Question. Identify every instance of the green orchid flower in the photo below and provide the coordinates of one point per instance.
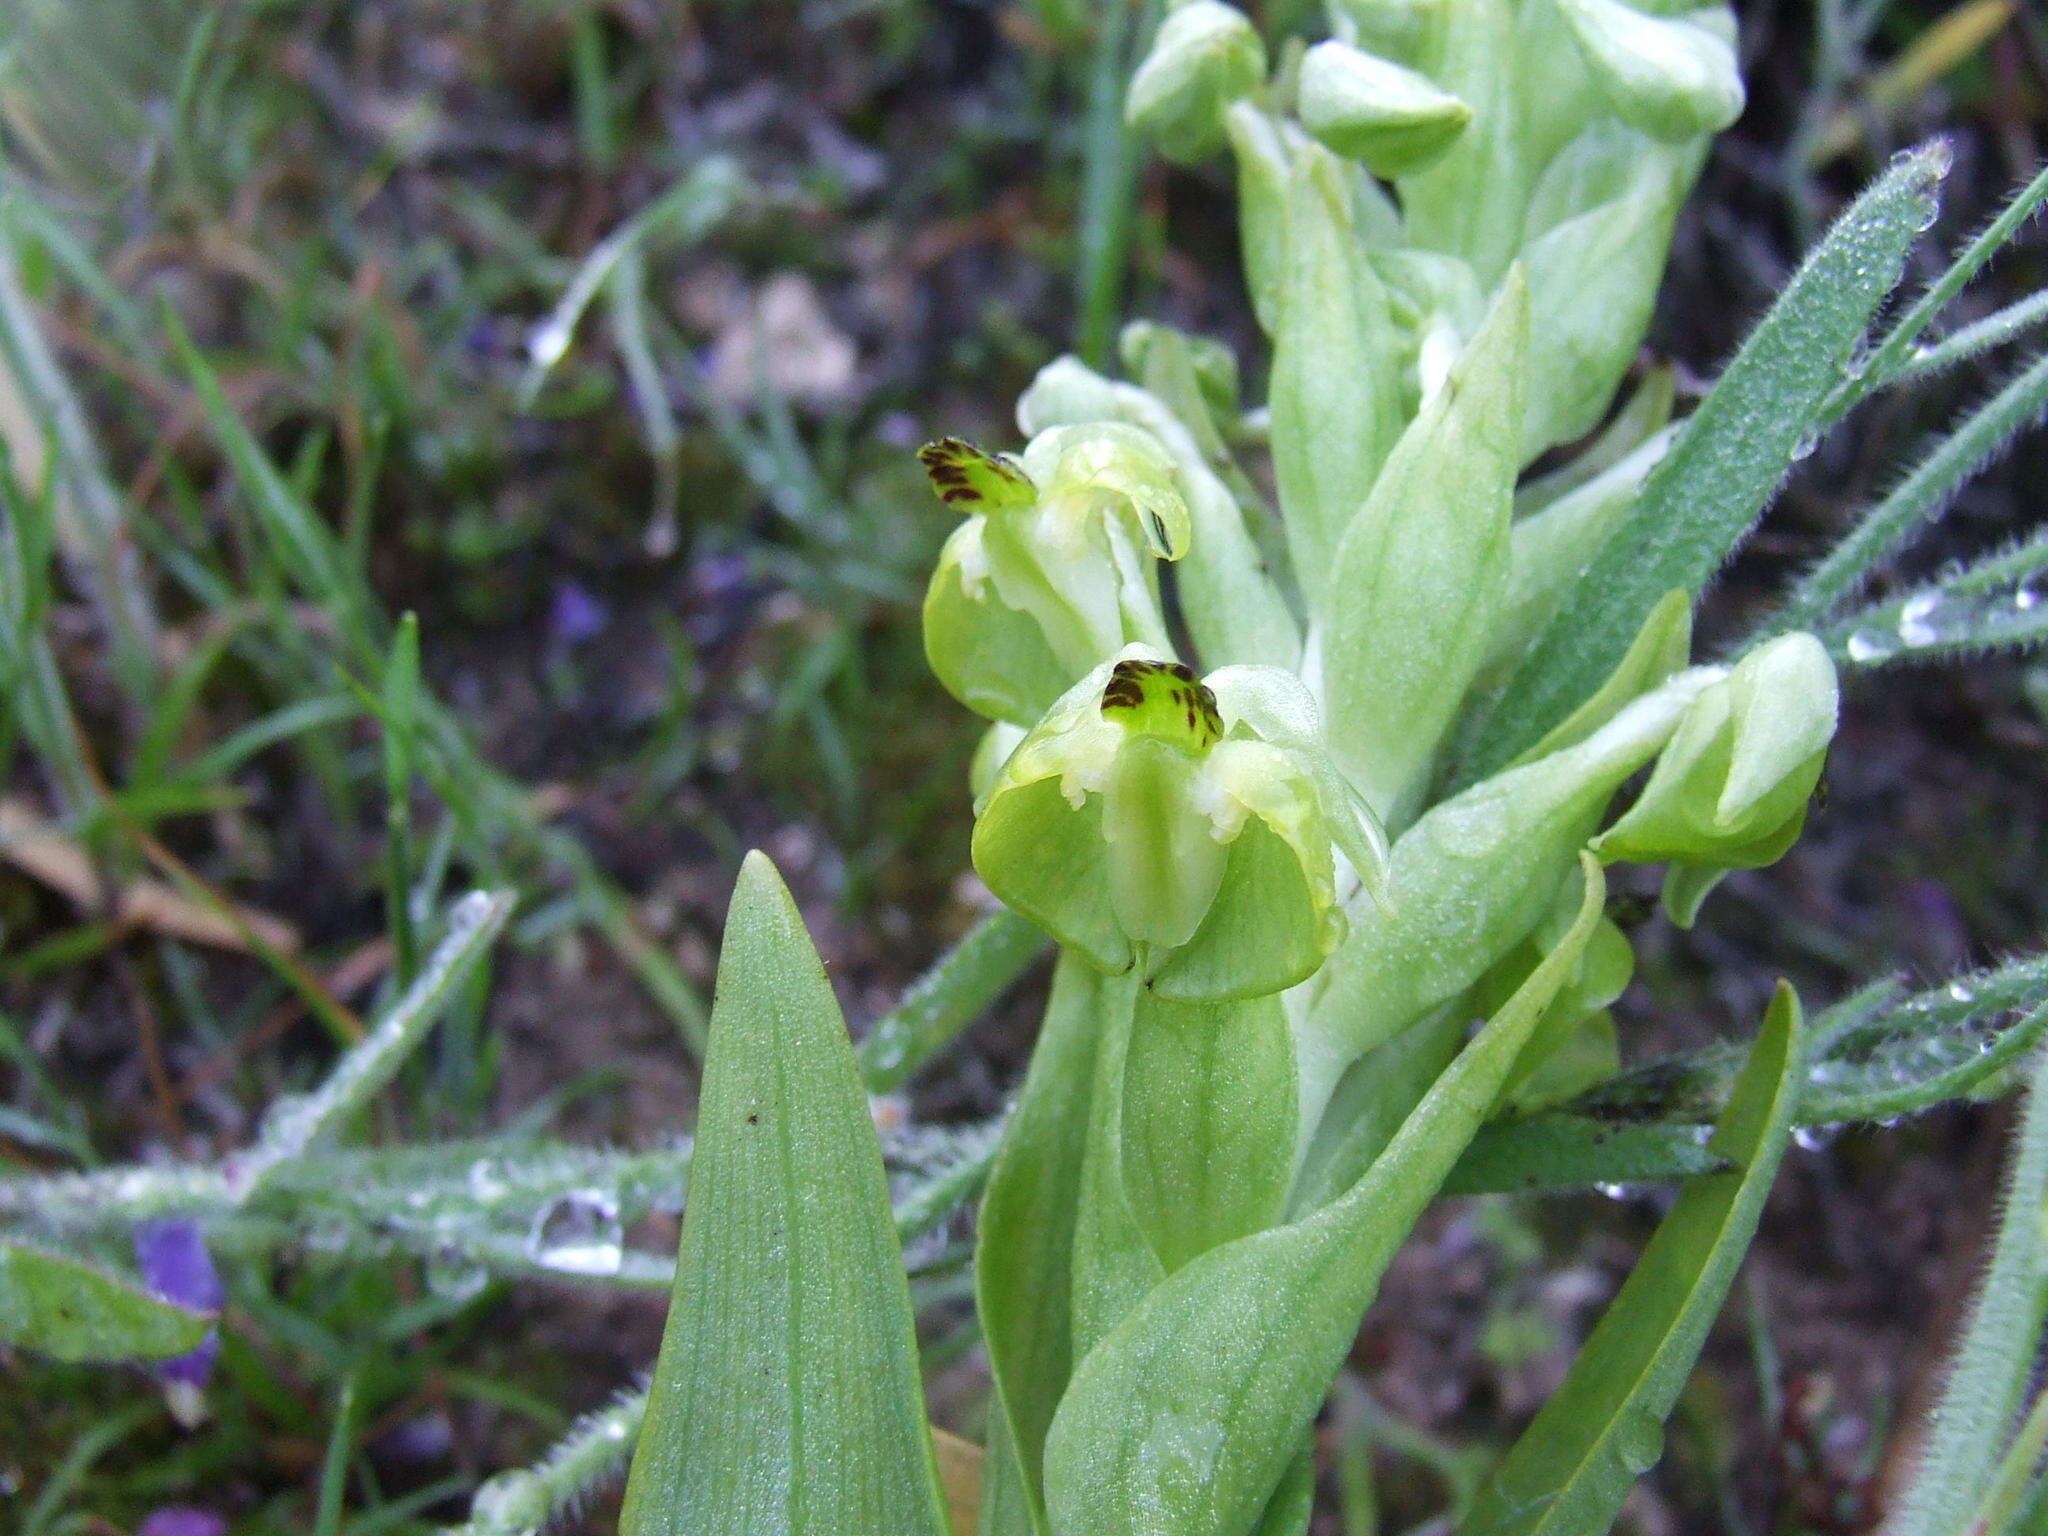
(1055, 568)
(1193, 829)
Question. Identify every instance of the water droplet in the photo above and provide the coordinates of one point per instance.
(484, 1181)
(1813, 1138)
(578, 1234)
(1613, 1191)
(2026, 599)
(1962, 992)
(1916, 620)
(1639, 1441)
(546, 343)
(451, 1275)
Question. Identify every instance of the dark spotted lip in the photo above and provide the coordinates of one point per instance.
(964, 474)
(1164, 688)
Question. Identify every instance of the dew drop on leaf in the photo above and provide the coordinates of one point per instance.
(578, 1234)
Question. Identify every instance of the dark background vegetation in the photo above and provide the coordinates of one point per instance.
(677, 649)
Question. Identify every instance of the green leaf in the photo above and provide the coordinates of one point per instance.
(71, 1311)
(786, 1398)
(1418, 573)
(1558, 1150)
(1895, 358)
(1569, 1472)
(1115, 1264)
(1023, 1259)
(1995, 603)
(1185, 1419)
(1209, 1111)
(1701, 500)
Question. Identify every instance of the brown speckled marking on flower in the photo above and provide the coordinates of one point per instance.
(1163, 698)
(965, 475)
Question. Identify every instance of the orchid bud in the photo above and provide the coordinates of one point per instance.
(1674, 77)
(1404, 30)
(1371, 110)
(1205, 56)
(1053, 570)
(1148, 821)
(1600, 225)
(1153, 352)
(1730, 790)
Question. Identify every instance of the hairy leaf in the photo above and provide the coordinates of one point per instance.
(1733, 452)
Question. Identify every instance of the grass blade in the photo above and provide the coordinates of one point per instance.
(40, 416)
(1997, 603)
(296, 1124)
(1569, 1472)
(787, 1396)
(947, 998)
(401, 740)
(1729, 459)
(691, 208)
(1996, 1356)
(1920, 498)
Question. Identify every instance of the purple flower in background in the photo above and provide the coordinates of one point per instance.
(174, 1520)
(575, 616)
(176, 1267)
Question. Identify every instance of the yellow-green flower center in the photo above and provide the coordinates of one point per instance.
(1163, 699)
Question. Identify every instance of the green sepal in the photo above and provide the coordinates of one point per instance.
(1390, 118)
(1145, 819)
(1231, 604)
(1055, 567)
(991, 657)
